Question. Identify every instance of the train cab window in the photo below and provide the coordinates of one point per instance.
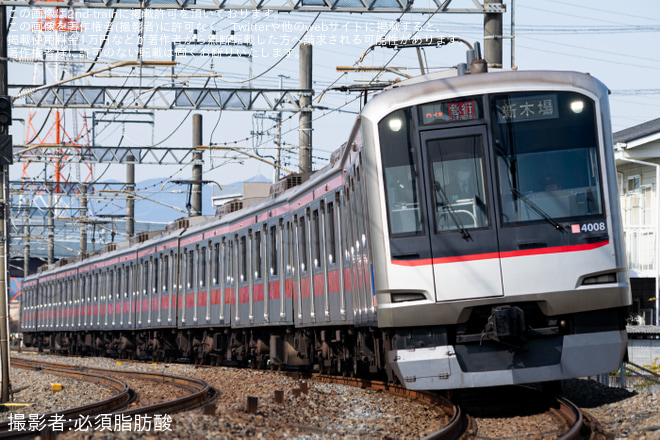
(202, 267)
(546, 154)
(400, 172)
(257, 255)
(457, 173)
(273, 251)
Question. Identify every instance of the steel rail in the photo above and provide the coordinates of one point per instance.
(572, 415)
(201, 392)
(112, 404)
(454, 429)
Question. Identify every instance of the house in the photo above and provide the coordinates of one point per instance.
(637, 153)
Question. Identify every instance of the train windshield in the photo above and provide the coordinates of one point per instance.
(401, 174)
(546, 155)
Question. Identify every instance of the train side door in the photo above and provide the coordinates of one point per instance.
(462, 230)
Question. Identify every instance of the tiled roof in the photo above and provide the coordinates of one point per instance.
(638, 131)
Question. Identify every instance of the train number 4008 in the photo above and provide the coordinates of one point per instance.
(593, 227)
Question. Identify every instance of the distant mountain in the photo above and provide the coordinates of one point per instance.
(157, 203)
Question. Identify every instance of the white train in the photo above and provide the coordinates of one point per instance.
(466, 235)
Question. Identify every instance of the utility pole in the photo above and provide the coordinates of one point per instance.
(26, 249)
(130, 196)
(278, 142)
(51, 227)
(4, 211)
(305, 125)
(278, 138)
(83, 219)
(493, 33)
(196, 189)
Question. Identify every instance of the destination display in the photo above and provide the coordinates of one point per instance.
(512, 109)
(451, 111)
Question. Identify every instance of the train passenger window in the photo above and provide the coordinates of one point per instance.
(316, 240)
(202, 267)
(243, 260)
(95, 288)
(216, 263)
(457, 172)
(145, 278)
(166, 273)
(111, 284)
(289, 248)
(229, 258)
(546, 154)
(119, 273)
(302, 244)
(257, 255)
(154, 275)
(273, 251)
(126, 282)
(330, 216)
(400, 172)
(191, 268)
(346, 225)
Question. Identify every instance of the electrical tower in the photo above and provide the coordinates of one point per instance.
(56, 138)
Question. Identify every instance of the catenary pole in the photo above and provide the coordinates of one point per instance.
(305, 127)
(130, 197)
(493, 35)
(196, 189)
(4, 267)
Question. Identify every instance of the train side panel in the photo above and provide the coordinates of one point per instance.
(28, 305)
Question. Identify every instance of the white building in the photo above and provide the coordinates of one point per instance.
(637, 152)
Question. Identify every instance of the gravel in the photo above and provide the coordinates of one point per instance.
(626, 414)
(327, 412)
(34, 387)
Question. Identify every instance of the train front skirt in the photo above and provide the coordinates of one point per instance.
(438, 367)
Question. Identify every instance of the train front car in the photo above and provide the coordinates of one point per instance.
(501, 259)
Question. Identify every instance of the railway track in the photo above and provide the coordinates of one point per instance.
(498, 413)
(198, 393)
(457, 425)
(518, 412)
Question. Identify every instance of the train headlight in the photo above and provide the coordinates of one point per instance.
(395, 124)
(577, 106)
(606, 278)
(400, 297)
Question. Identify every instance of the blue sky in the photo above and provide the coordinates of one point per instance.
(614, 42)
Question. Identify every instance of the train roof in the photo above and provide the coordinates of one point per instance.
(440, 86)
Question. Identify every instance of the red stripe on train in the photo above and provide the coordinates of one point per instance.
(508, 254)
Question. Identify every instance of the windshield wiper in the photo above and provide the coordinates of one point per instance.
(537, 209)
(441, 192)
